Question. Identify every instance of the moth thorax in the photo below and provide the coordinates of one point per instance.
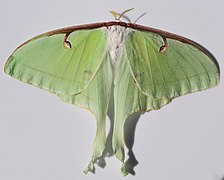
(116, 36)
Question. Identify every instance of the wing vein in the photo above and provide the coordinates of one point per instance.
(80, 57)
(150, 68)
(163, 77)
(178, 62)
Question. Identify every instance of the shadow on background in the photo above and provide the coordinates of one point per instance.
(129, 135)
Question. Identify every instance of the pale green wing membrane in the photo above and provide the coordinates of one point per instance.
(182, 68)
(46, 63)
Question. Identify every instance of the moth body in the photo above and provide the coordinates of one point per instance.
(116, 37)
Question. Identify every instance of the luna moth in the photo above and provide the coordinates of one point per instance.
(145, 67)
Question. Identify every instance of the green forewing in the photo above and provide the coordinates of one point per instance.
(181, 69)
(46, 63)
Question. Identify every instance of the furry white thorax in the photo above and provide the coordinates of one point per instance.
(116, 36)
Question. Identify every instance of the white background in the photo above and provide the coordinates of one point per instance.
(43, 138)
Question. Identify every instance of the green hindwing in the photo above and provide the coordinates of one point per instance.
(96, 99)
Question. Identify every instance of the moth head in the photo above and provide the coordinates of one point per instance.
(118, 16)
